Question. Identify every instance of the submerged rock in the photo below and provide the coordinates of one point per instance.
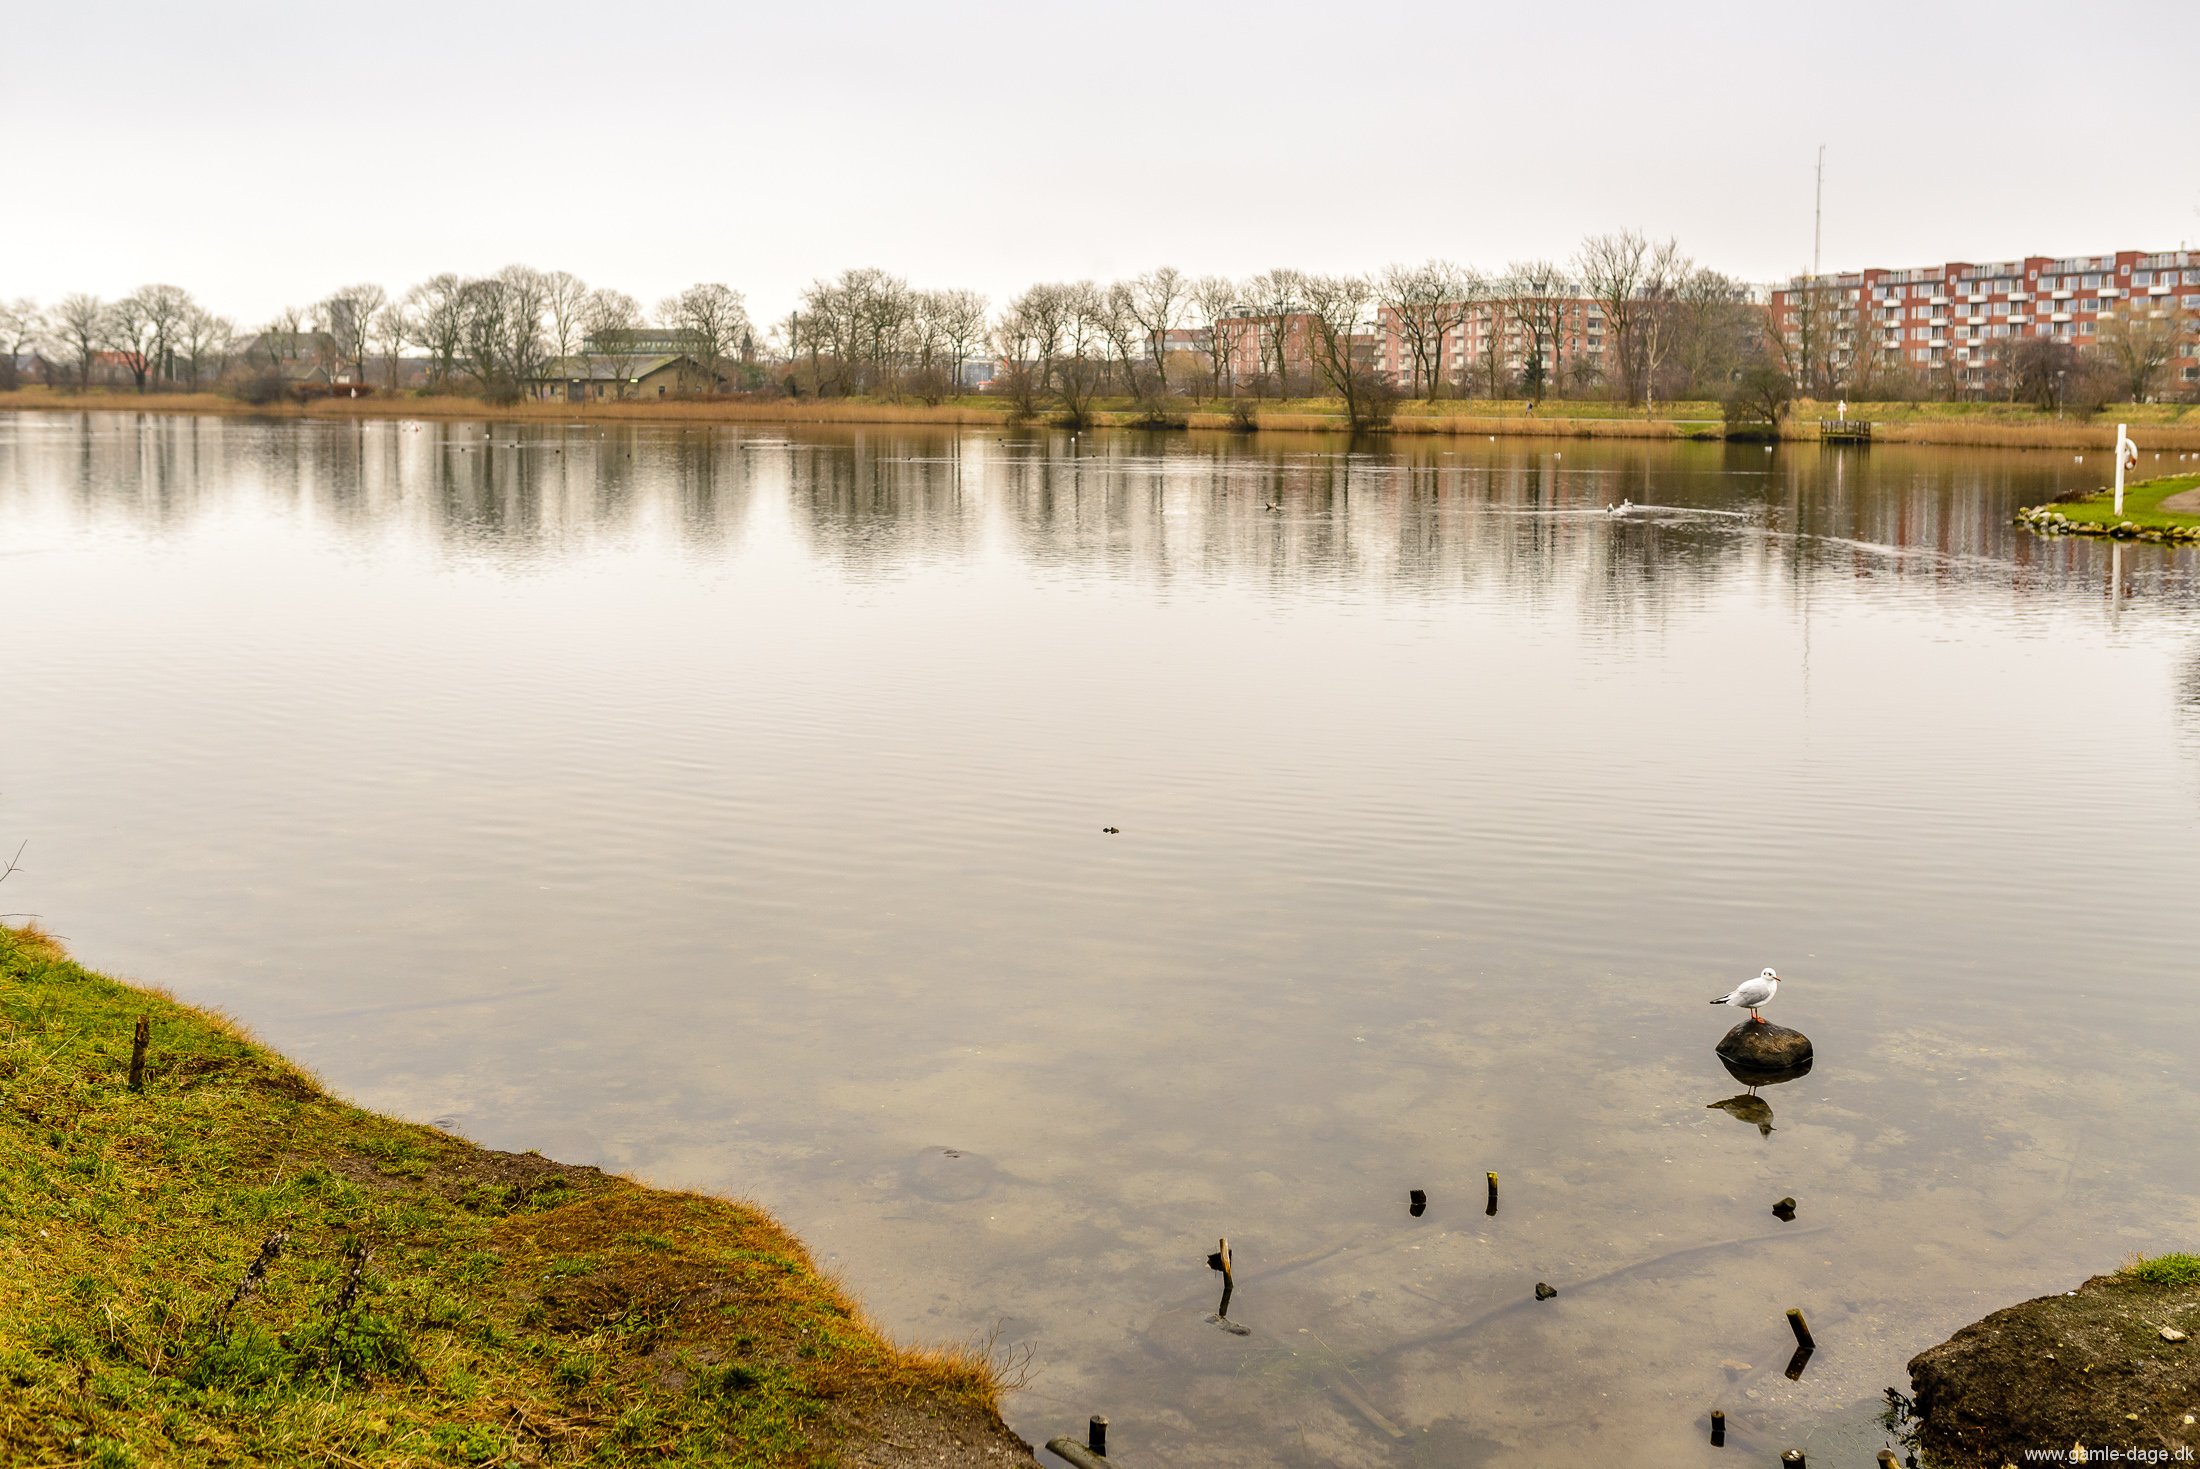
(1762, 1046)
(2095, 1366)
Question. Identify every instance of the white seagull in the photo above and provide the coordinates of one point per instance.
(1750, 994)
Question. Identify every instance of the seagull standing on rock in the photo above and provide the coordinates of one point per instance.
(1751, 994)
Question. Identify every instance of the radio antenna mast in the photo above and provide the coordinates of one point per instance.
(1818, 216)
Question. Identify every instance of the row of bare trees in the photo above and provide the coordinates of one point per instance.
(493, 333)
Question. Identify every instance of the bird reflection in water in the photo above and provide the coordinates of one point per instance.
(1749, 1107)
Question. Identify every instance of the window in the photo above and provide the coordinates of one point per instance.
(2143, 278)
(2093, 283)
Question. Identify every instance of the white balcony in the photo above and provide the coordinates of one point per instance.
(2061, 316)
(2064, 295)
(2020, 295)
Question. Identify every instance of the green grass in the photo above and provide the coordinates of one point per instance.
(2174, 1270)
(2141, 505)
(417, 1301)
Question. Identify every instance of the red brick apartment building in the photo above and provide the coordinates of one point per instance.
(1488, 336)
(1492, 339)
(1945, 318)
(1249, 345)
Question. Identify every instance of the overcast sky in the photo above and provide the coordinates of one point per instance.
(262, 154)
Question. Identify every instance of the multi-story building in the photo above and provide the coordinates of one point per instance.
(1944, 319)
(1486, 343)
(1255, 346)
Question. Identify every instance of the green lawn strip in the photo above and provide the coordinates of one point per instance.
(2140, 505)
(423, 1301)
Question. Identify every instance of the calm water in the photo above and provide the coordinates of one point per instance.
(726, 807)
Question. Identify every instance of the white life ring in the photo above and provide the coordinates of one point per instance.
(2129, 454)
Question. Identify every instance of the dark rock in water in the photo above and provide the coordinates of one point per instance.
(2089, 1367)
(1757, 1046)
(1544, 1292)
(1417, 1203)
(1748, 1077)
(1785, 1210)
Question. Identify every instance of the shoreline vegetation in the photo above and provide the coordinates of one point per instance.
(2158, 427)
(210, 1260)
(2162, 509)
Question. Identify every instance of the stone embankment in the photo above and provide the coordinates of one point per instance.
(2048, 520)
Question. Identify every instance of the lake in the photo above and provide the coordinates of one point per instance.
(727, 807)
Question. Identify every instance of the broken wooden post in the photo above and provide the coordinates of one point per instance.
(138, 1043)
(1096, 1436)
(1803, 1337)
(1070, 1449)
(1718, 1428)
(1792, 1459)
(1492, 1209)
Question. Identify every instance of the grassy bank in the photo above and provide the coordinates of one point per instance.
(230, 1266)
(2144, 509)
(2159, 426)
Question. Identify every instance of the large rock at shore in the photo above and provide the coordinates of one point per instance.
(1766, 1047)
(2099, 1366)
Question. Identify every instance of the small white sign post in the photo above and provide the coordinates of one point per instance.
(2127, 457)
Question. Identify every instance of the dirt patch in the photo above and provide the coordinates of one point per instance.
(934, 1432)
(2184, 502)
(2091, 1367)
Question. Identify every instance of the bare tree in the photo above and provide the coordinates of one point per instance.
(1716, 330)
(1279, 301)
(962, 323)
(79, 325)
(1806, 348)
(1080, 364)
(716, 320)
(527, 299)
(2139, 342)
(1425, 304)
(131, 334)
(1021, 343)
(204, 341)
(350, 315)
(609, 320)
(1216, 297)
(1158, 300)
(21, 326)
(1339, 339)
(1613, 270)
(564, 300)
(437, 308)
(1125, 336)
(393, 328)
(1534, 295)
(142, 329)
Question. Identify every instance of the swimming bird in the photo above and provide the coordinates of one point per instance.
(1622, 508)
(1751, 994)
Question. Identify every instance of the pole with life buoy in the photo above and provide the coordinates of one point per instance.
(2127, 457)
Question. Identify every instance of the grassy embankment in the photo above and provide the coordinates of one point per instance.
(2143, 511)
(230, 1266)
(2004, 425)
